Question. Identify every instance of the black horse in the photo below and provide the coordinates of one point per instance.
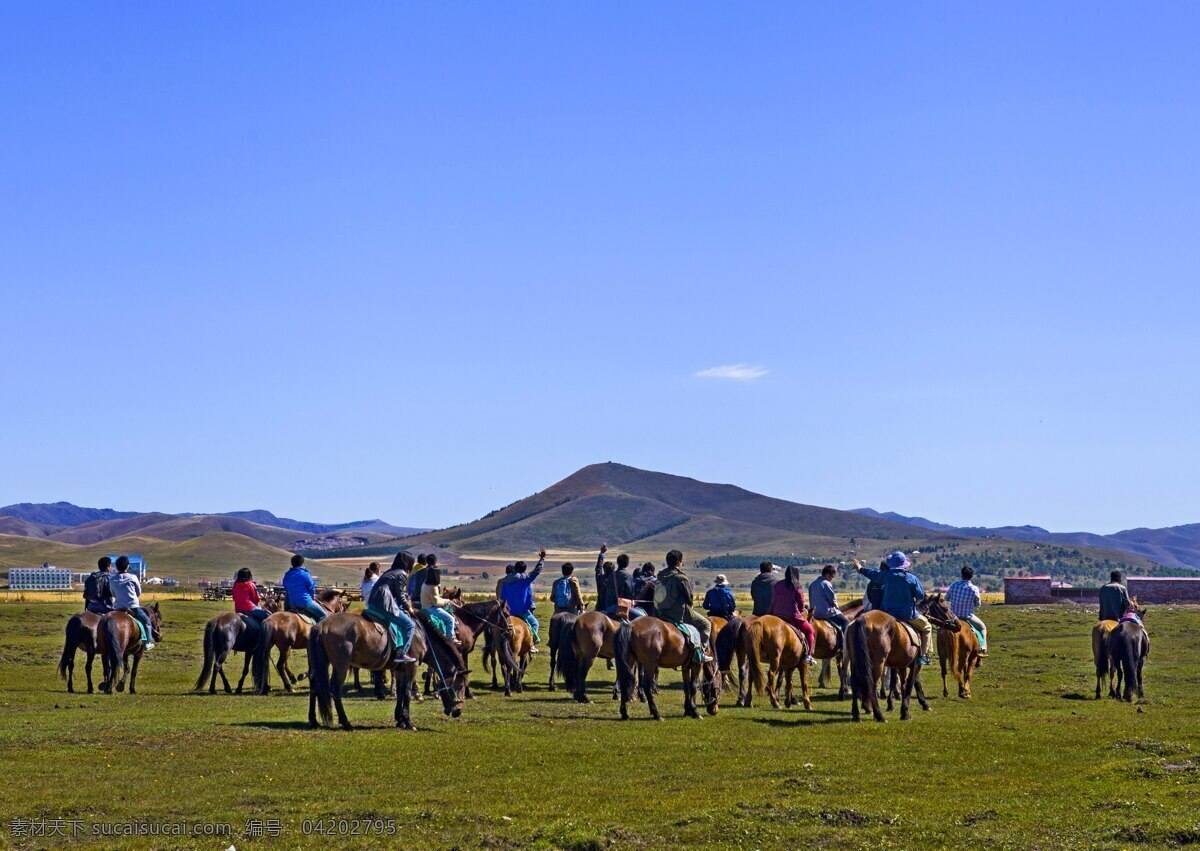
(1128, 647)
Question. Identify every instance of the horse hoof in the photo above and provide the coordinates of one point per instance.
(347, 726)
(120, 686)
(455, 712)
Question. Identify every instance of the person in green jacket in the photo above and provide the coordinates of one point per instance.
(673, 600)
(1114, 599)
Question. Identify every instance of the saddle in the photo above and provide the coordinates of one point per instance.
(913, 635)
(691, 638)
(308, 619)
(384, 627)
(137, 621)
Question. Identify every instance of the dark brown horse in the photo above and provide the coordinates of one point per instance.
(285, 632)
(1128, 647)
(1106, 667)
(774, 641)
(488, 619)
(347, 639)
(229, 633)
(81, 635)
(118, 637)
(562, 630)
(592, 636)
(648, 644)
(827, 650)
(876, 641)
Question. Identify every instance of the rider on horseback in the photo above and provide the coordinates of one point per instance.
(761, 587)
(718, 601)
(901, 591)
(787, 604)
(964, 598)
(1114, 599)
(245, 596)
(823, 600)
(299, 586)
(127, 592)
(389, 603)
(673, 601)
(565, 592)
(97, 593)
(517, 592)
(435, 605)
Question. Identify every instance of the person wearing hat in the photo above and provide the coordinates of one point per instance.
(901, 592)
(719, 602)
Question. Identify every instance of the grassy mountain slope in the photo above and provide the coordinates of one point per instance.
(17, 526)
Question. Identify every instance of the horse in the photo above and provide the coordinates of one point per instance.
(826, 648)
(650, 643)
(1105, 665)
(80, 633)
(347, 639)
(957, 644)
(119, 637)
(875, 641)
(520, 639)
(727, 644)
(1128, 647)
(285, 632)
(562, 628)
(489, 619)
(783, 648)
(229, 633)
(591, 637)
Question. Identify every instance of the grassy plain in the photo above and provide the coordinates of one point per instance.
(1031, 762)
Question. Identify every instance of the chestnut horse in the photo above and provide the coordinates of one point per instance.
(827, 651)
(650, 643)
(1106, 666)
(957, 644)
(285, 632)
(347, 639)
(489, 619)
(520, 638)
(876, 641)
(229, 633)
(118, 638)
(81, 634)
(775, 641)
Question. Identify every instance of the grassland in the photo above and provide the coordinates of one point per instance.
(1031, 762)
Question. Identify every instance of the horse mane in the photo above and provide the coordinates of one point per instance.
(478, 610)
(852, 606)
(328, 595)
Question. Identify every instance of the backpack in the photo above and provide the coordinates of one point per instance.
(94, 586)
(561, 594)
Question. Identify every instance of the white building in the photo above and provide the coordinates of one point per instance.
(44, 578)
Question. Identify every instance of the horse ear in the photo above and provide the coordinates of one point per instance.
(156, 607)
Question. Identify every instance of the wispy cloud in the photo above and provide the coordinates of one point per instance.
(736, 371)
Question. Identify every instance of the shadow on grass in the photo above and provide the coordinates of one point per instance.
(806, 720)
(1077, 696)
(304, 725)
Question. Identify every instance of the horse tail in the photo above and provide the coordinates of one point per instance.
(752, 637)
(860, 678)
(112, 650)
(1128, 648)
(209, 653)
(727, 642)
(568, 661)
(318, 667)
(74, 631)
(488, 657)
(502, 647)
(260, 668)
(621, 652)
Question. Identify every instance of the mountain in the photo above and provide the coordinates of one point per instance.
(618, 504)
(1174, 546)
(16, 526)
(266, 518)
(168, 527)
(920, 522)
(61, 513)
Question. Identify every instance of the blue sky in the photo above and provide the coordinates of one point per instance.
(419, 261)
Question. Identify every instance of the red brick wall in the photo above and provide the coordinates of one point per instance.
(1027, 590)
(1164, 590)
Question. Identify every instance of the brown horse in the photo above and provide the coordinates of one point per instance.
(520, 637)
(118, 638)
(489, 619)
(347, 639)
(562, 629)
(827, 650)
(876, 641)
(592, 637)
(957, 644)
(783, 648)
(1106, 666)
(285, 632)
(1128, 647)
(229, 633)
(649, 643)
(81, 634)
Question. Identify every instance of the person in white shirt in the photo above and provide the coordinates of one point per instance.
(370, 577)
(127, 594)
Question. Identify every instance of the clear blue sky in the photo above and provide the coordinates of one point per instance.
(417, 261)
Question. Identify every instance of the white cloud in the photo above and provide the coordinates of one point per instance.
(737, 371)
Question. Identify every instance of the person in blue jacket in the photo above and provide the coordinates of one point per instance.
(901, 592)
(517, 591)
(719, 602)
(300, 588)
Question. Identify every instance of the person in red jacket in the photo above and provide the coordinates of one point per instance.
(245, 596)
(787, 604)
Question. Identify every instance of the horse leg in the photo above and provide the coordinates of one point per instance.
(878, 672)
(137, 657)
(920, 689)
(220, 667)
(91, 657)
(774, 676)
(962, 674)
(245, 670)
(1141, 662)
(282, 667)
(906, 693)
(945, 691)
(803, 686)
(585, 665)
(690, 674)
(338, 681)
(843, 663)
(404, 699)
(553, 662)
(825, 676)
(650, 671)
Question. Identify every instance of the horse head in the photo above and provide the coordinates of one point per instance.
(1137, 609)
(934, 607)
(710, 687)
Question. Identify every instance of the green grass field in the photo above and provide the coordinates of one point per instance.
(1030, 762)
